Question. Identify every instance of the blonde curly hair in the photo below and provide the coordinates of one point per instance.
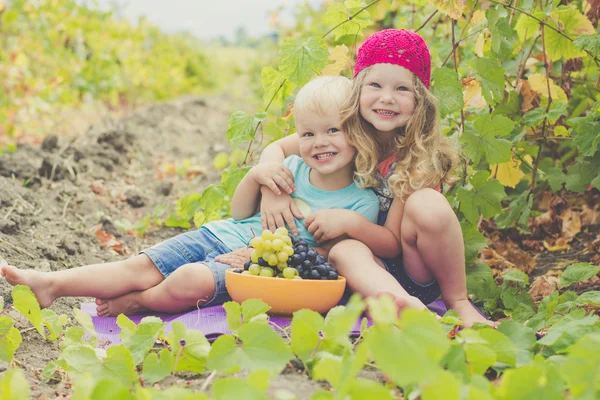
(425, 157)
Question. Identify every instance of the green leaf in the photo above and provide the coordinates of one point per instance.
(14, 385)
(328, 368)
(306, 327)
(517, 213)
(235, 389)
(253, 307)
(261, 348)
(383, 310)
(506, 351)
(361, 388)
(421, 344)
(590, 43)
(586, 137)
(242, 126)
(119, 364)
(577, 273)
(338, 323)
(484, 199)
(581, 368)
(590, 298)
(275, 84)
(143, 338)
(480, 357)
(260, 379)
(490, 75)
(212, 199)
(523, 337)
(189, 347)
(10, 339)
(157, 366)
(80, 359)
(337, 13)
(568, 330)
(451, 8)
(535, 381)
(445, 386)
(582, 174)
(516, 276)
(231, 177)
(503, 36)
(127, 326)
(234, 315)
(448, 91)
(481, 139)
(474, 241)
(298, 62)
(54, 322)
(481, 283)
(26, 303)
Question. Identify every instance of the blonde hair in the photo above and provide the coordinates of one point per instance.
(323, 95)
(425, 157)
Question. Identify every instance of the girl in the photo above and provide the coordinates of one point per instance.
(416, 251)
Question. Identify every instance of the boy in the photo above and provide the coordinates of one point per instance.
(181, 273)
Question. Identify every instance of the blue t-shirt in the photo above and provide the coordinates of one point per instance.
(238, 233)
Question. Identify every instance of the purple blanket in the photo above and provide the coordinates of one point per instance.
(211, 321)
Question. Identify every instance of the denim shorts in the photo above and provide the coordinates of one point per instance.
(427, 293)
(192, 247)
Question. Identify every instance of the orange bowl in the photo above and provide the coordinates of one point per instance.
(286, 295)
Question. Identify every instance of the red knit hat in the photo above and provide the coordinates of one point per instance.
(399, 47)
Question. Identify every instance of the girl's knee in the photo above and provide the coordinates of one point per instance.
(429, 210)
(343, 249)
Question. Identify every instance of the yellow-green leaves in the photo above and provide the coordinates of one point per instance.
(26, 303)
(447, 90)
(299, 61)
(10, 339)
(339, 12)
(242, 126)
(490, 75)
(276, 87)
(14, 385)
(452, 8)
(577, 273)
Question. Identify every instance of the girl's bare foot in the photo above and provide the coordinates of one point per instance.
(127, 304)
(469, 314)
(39, 283)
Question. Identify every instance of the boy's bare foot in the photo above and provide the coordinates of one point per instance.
(469, 314)
(127, 304)
(38, 281)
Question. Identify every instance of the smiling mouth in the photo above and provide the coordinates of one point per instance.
(386, 113)
(322, 157)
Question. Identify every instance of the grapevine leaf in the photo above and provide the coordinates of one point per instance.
(539, 83)
(503, 36)
(556, 178)
(484, 199)
(54, 323)
(361, 388)
(14, 385)
(445, 386)
(231, 178)
(338, 323)
(260, 379)
(517, 213)
(508, 173)
(537, 380)
(578, 273)
(275, 84)
(242, 127)
(451, 8)
(143, 338)
(80, 359)
(447, 90)
(328, 368)
(212, 198)
(119, 364)
(10, 339)
(481, 139)
(340, 59)
(253, 307)
(298, 62)
(26, 303)
(127, 326)
(156, 367)
(490, 75)
(383, 310)
(225, 357)
(474, 241)
(590, 298)
(306, 328)
(581, 174)
(480, 357)
(234, 314)
(523, 337)
(582, 367)
(590, 43)
(568, 330)
(506, 351)
(586, 137)
(235, 389)
(339, 12)
(190, 348)
(570, 21)
(518, 277)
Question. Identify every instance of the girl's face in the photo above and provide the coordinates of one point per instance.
(387, 99)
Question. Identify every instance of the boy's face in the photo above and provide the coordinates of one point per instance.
(387, 98)
(323, 145)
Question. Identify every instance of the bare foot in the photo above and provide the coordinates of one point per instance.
(469, 314)
(127, 304)
(39, 283)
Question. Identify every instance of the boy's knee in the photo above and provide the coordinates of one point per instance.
(429, 210)
(190, 282)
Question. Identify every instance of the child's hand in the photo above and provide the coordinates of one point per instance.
(276, 211)
(236, 258)
(329, 224)
(275, 176)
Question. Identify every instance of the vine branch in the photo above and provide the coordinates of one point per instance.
(349, 18)
(426, 21)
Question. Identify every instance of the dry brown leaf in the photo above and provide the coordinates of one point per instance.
(109, 241)
(589, 216)
(571, 224)
(560, 244)
(530, 98)
(543, 286)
